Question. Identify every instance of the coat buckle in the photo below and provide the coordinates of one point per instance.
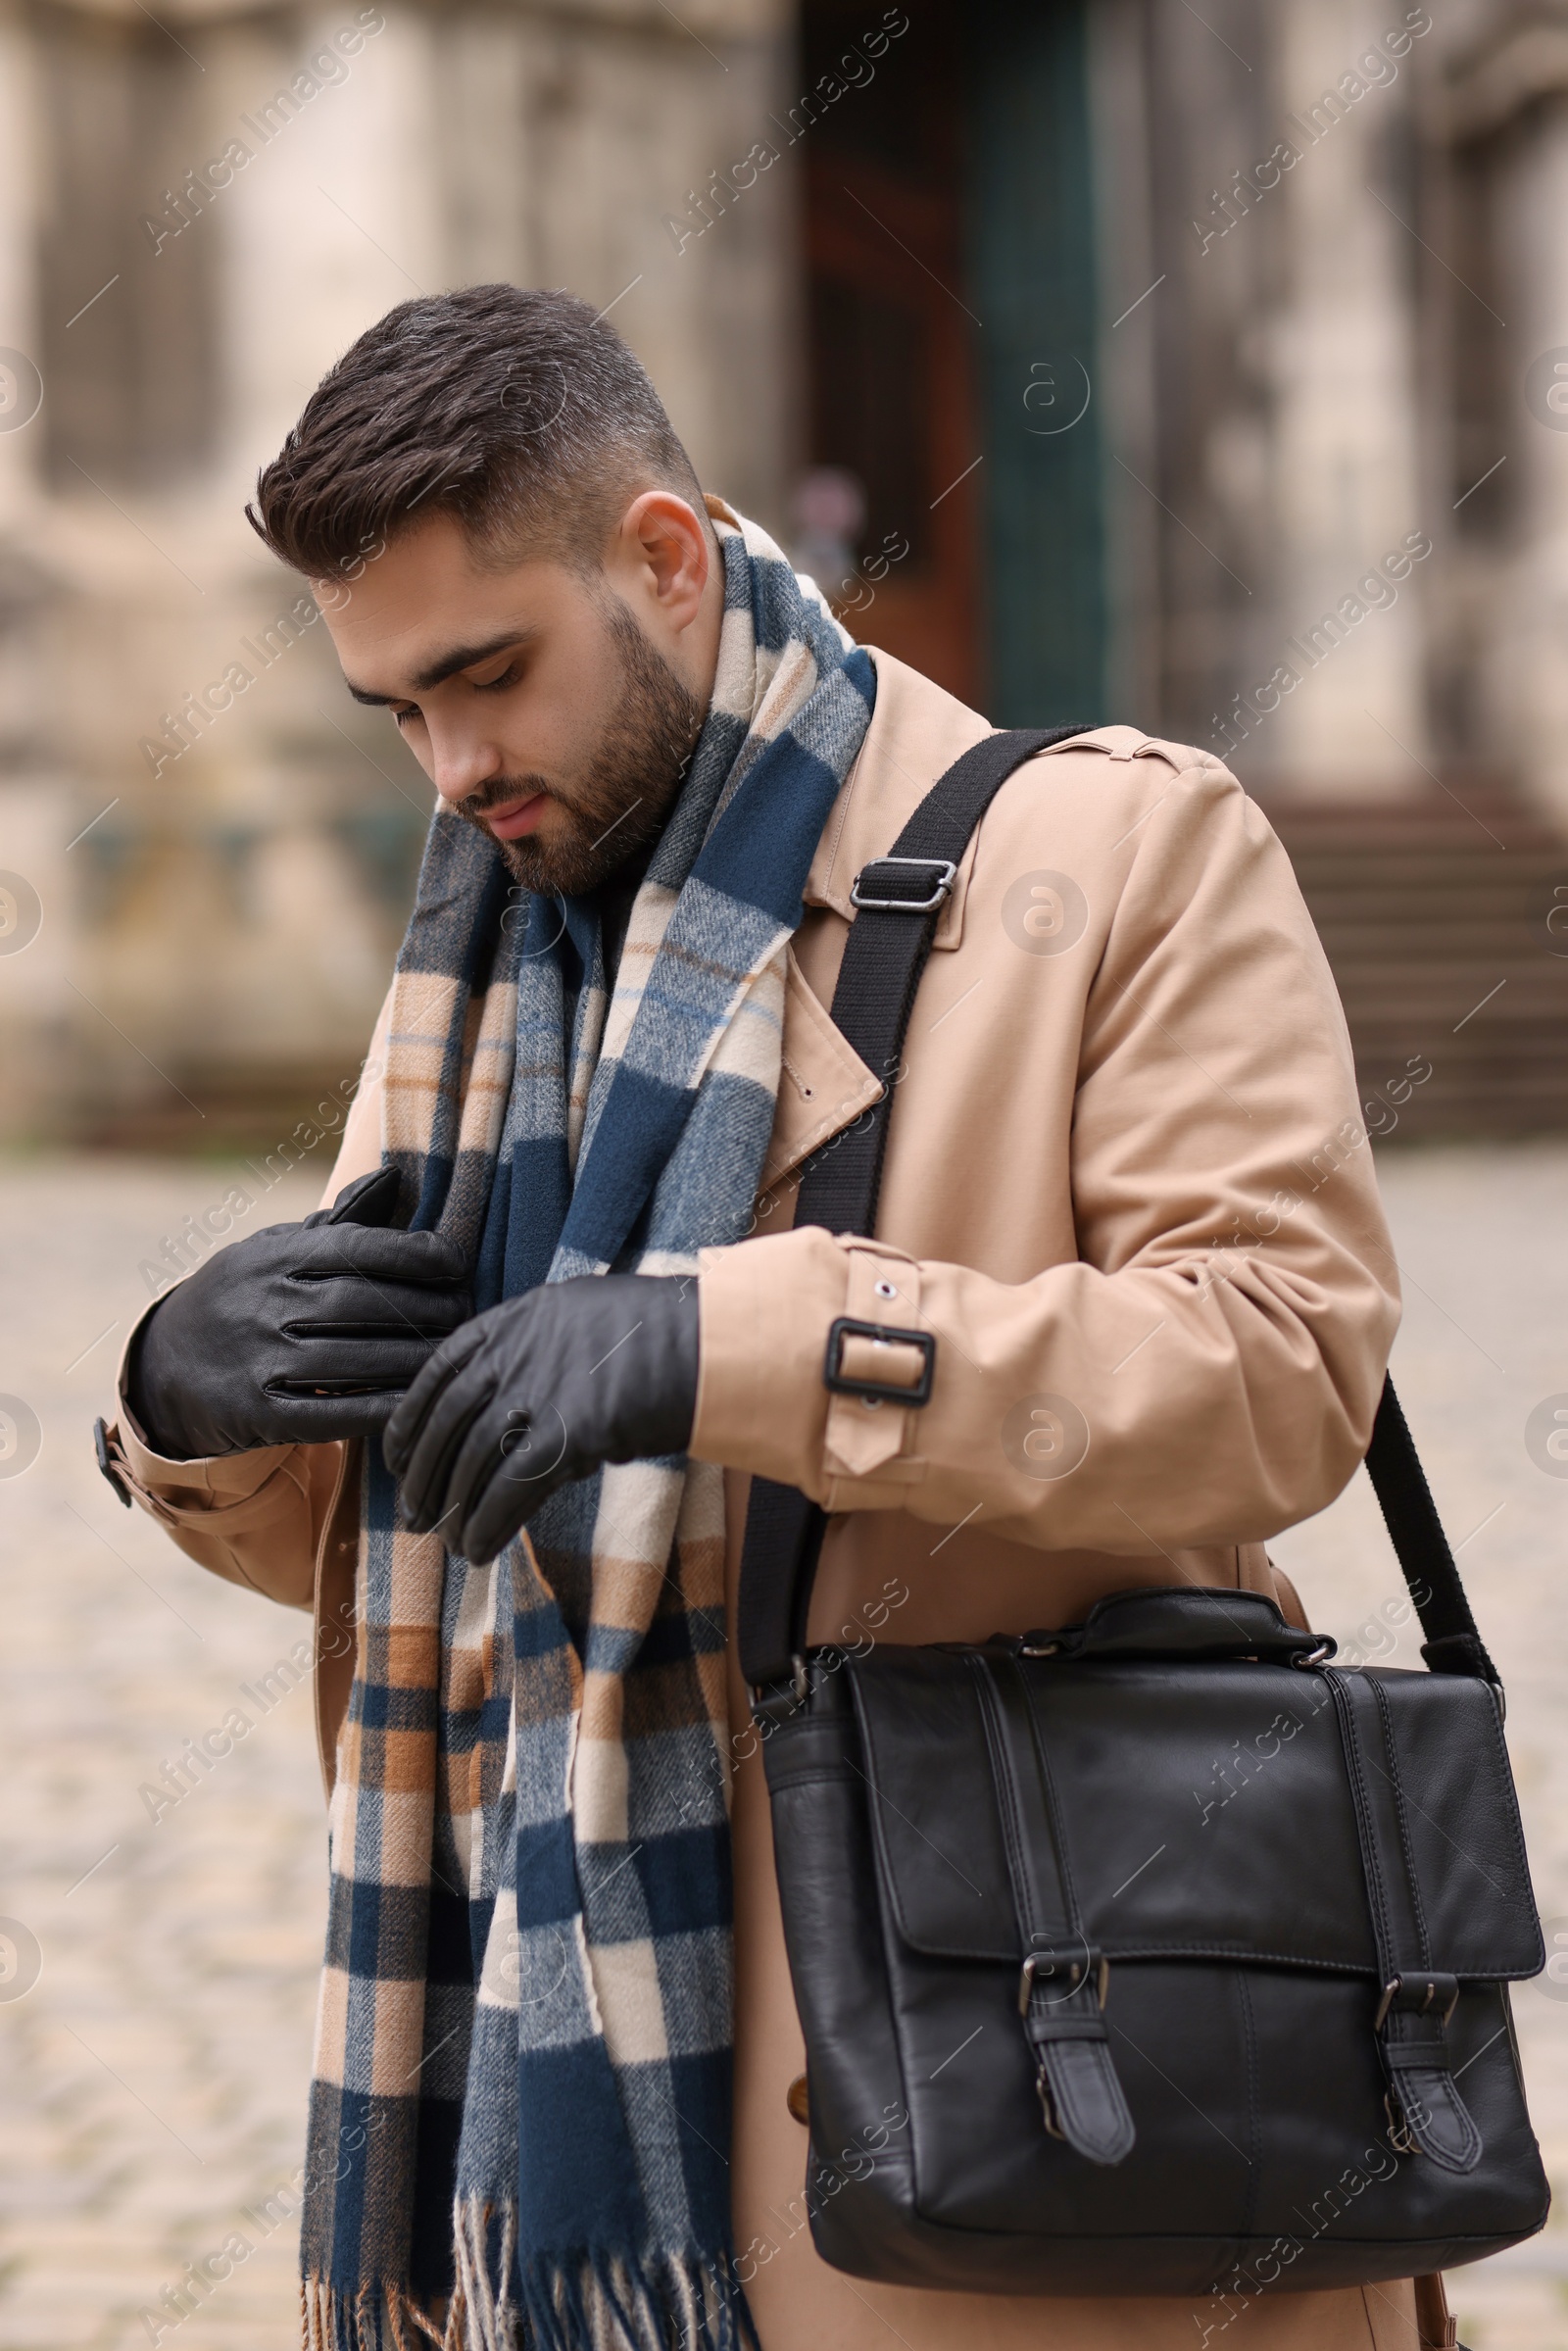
(880, 1334)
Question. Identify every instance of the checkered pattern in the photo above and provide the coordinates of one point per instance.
(522, 2109)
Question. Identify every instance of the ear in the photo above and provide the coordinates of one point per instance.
(664, 542)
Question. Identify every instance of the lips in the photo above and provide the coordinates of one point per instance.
(519, 818)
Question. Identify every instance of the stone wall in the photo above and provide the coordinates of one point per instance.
(1339, 487)
(221, 869)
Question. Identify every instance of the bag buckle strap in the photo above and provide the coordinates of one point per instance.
(1062, 1999)
(875, 885)
(1064, 1978)
(1426, 2114)
(1411, 2018)
(1428, 1995)
(1072, 1973)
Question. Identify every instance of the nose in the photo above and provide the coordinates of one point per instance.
(462, 762)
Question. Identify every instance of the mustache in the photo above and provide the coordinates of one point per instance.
(502, 792)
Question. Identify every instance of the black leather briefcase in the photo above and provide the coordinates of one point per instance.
(1155, 1955)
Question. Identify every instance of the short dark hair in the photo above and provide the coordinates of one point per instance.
(517, 410)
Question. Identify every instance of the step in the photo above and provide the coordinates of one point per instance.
(1434, 921)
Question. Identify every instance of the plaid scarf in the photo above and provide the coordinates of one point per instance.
(520, 2116)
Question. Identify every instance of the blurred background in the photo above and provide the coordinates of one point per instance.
(1197, 362)
(1205, 368)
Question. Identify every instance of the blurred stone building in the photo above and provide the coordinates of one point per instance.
(1203, 369)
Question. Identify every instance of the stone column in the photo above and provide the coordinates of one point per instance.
(37, 912)
(1345, 485)
(1524, 624)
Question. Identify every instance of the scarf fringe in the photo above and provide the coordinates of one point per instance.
(478, 2319)
(589, 2302)
(373, 2318)
(666, 2302)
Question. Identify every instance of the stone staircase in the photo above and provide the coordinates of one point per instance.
(1445, 921)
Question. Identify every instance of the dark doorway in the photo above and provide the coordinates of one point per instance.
(891, 399)
(951, 312)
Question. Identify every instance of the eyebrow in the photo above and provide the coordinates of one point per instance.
(447, 664)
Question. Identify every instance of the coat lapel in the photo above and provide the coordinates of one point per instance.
(916, 734)
(823, 1085)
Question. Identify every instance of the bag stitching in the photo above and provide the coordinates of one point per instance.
(1401, 1816)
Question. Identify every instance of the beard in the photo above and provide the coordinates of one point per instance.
(619, 801)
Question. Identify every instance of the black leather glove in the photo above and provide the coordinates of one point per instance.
(300, 1333)
(539, 1391)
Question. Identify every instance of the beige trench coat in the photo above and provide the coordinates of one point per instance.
(1125, 1169)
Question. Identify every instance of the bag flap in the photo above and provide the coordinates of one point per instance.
(1205, 1812)
(1461, 1818)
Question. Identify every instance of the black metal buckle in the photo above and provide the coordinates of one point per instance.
(880, 1391)
(943, 869)
(106, 1465)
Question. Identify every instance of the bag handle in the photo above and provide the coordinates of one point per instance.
(903, 894)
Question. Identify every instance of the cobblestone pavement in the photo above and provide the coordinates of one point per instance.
(153, 2078)
(1482, 1236)
(153, 2083)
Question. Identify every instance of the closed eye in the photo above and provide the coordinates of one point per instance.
(507, 677)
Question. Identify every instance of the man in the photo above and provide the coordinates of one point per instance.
(557, 1289)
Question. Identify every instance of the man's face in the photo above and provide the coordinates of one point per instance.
(540, 708)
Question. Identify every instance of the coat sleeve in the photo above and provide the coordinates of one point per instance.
(1207, 1370)
(259, 1518)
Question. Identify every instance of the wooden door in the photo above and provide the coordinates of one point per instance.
(891, 363)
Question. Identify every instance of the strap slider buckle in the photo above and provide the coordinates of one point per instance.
(775, 1703)
(881, 1334)
(873, 883)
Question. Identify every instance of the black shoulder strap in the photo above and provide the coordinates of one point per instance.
(1452, 1645)
(883, 958)
(898, 899)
